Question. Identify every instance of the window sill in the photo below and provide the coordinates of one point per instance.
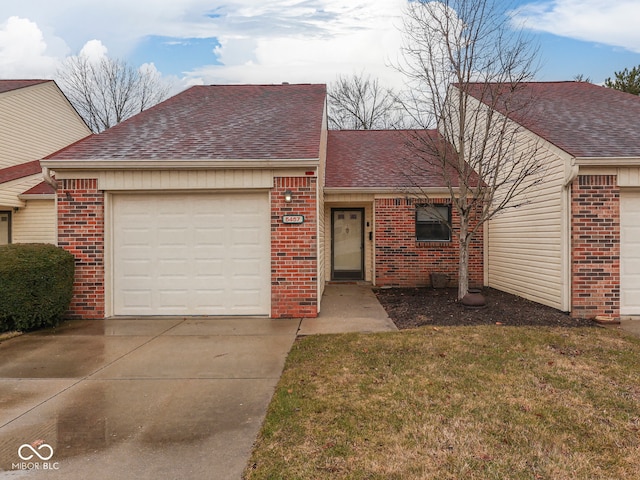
(434, 243)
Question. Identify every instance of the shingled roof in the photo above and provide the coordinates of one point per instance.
(380, 159)
(8, 85)
(583, 119)
(216, 122)
(17, 172)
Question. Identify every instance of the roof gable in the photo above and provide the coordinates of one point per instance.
(217, 122)
(381, 159)
(583, 119)
(42, 188)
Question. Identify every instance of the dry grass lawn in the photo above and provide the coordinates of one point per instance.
(484, 402)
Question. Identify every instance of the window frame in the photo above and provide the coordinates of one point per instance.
(433, 221)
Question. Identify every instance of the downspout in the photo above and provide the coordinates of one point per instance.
(46, 173)
(566, 188)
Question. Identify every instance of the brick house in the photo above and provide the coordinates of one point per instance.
(231, 200)
(36, 120)
(576, 245)
(237, 200)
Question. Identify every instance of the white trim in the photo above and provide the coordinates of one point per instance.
(608, 161)
(177, 164)
(37, 196)
(108, 254)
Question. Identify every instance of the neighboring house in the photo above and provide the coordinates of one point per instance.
(36, 119)
(214, 203)
(576, 245)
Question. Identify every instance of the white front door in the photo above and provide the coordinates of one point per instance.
(191, 254)
(630, 252)
(347, 244)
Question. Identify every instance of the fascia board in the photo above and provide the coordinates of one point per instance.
(409, 191)
(608, 161)
(175, 164)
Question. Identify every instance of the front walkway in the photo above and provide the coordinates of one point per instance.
(348, 308)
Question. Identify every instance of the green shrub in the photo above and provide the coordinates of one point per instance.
(36, 285)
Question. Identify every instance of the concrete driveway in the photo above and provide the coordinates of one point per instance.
(165, 398)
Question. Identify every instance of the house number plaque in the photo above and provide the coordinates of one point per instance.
(293, 219)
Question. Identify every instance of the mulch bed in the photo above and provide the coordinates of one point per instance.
(415, 307)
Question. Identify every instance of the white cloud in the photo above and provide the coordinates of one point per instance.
(603, 21)
(23, 50)
(272, 41)
(94, 50)
(313, 42)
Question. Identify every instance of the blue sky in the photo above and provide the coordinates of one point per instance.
(271, 41)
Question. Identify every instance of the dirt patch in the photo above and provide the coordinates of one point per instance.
(414, 307)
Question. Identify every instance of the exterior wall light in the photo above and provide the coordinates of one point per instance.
(287, 196)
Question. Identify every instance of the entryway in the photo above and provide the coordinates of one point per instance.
(347, 244)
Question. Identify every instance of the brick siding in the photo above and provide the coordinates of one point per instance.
(81, 232)
(595, 246)
(294, 249)
(403, 261)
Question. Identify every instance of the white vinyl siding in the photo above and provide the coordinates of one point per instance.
(525, 251)
(36, 121)
(9, 191)
(177, 179)
(35, 223)
(526, 247)
(191, 254)
(630, 252)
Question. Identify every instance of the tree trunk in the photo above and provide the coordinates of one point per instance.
(463, 264)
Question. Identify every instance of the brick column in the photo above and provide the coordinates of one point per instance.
(595, 246)
(81, 232)
(294, 249)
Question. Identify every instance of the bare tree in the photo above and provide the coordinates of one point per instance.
(108, 91)
(467, 71)
(359, 102)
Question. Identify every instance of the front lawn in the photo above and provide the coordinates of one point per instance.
(474, 402)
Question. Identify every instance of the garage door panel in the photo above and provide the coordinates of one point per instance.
(137, 301)
(191, 254)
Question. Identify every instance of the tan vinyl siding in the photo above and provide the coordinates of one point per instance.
(526, 244)
(35, 223)
(629, 177)
(36, 121)
(322, 252)
(9, 191)
(140, 180)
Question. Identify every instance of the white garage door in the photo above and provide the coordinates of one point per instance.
(630, 253)
(191, 254)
